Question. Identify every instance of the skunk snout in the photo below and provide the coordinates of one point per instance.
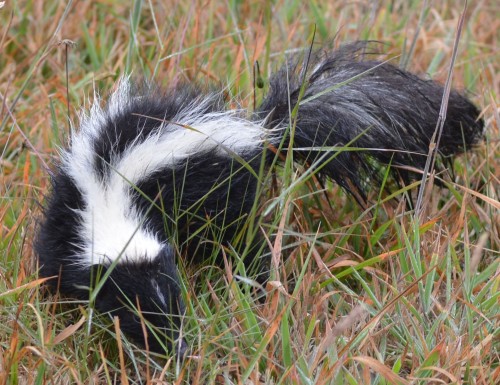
(181, 348)
(167, 342)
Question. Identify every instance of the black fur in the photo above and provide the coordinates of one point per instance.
(387, 107)
(368, 105)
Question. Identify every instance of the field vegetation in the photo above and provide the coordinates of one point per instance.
(382, 294)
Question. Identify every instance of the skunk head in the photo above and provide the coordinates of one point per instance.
(146, 297)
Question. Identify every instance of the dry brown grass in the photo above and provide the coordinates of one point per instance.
(360, 298)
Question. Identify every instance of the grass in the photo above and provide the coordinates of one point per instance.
(358, 296)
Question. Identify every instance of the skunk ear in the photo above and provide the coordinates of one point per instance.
(166, 257)
(168, 267)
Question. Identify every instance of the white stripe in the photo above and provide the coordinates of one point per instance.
(110, 225)
(217, 131)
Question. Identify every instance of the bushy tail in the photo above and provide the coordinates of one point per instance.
(350, 100)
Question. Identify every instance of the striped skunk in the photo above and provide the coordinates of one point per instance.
(138, 166)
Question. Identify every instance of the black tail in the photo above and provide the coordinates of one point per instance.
(352, 101)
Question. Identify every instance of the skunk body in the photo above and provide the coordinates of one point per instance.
(153, 165)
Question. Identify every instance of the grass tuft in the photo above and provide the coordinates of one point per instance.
(357, 296)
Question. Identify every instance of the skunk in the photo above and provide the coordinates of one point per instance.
(153, 165)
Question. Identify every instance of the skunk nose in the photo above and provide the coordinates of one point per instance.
(181, 348)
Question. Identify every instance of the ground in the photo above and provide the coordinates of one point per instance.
(377, 295)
